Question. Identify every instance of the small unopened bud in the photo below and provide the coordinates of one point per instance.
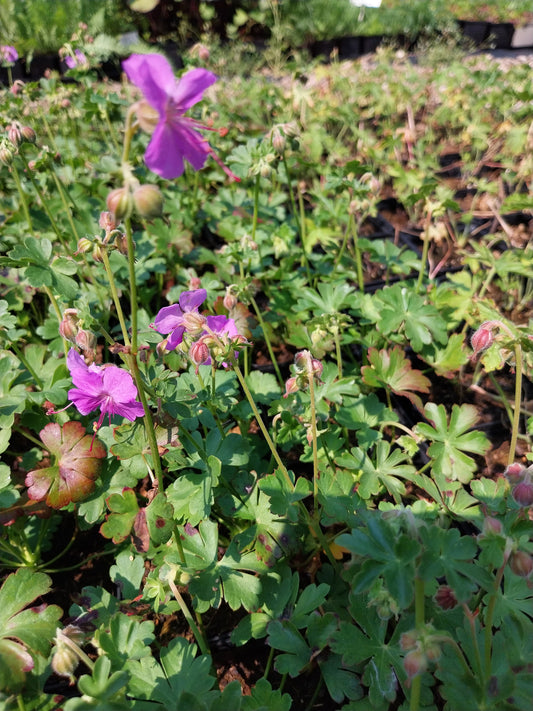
(97, 252)
(483, 337)
(84, 245)
(279, 140)
(120, 203)
(199, 353)
(230, 300)
(194, 322)
(445, 598)
(523, 494)
(69, 326)
(28, 134)
(521, 563)
(316, 367)
(86, 340)
(161, 348)
(291, 386)
(148, 201)
(107, 221)
(121, 243)
(433, 651)
(408, 640)
(195, 283)
(515, 472)
(415, 663)
(492, 526)
(6, 155)
(14, 134)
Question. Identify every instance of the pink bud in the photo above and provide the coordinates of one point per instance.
(195, 283)
(521, 564)
(28, 134)
(291, 386)
(119, 202)
(14, 134)
(445, 598)
(515, 472)
(483, 337)
(148, 201)
(408, 640)
(415, 663)
(199, 353)
(68, 328)
(523, 494)
(107, 221)
(492, 526)
(230, 300)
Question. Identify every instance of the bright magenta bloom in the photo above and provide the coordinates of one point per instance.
(8, 54)
(176, 136)
(181, 317)
(102, 387)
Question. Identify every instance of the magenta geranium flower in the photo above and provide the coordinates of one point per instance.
(8, 54)
(102, 387)
(176, 137)
(78, 60)
(181, 317)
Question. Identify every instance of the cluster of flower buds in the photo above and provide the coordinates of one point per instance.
(279, 133)
(305, 367)
(143, 200)
(519, 477)
(71, 330)
(113, 239)
(385, 604)
(422, 647)
(15, 134)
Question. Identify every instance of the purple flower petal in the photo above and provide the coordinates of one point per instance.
(175, 339)
(169, 318)
(84, 402)
(190, 88)
(191, 300)
(154, 76)
(118, 384)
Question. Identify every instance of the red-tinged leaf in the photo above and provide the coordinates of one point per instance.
(76, 465)
(140, 535)
(393, 371)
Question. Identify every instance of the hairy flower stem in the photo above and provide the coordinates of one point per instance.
(297, 218)
(517, 400)
(489, 617)
(338, 352)
(57, 311)
(314, 525)
(267, 340)
(316, 473)
(190, 621)
(66, 206)
(416, 686)
(472, 624)
(133, 285)
(148, 421)
(114, 295)
(425, 251)
(22, 196)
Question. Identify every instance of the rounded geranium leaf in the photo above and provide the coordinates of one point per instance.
(76, 461)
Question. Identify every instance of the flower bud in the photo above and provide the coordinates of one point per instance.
(121, 243)
(193, 322)
(199, 353)
(86, 340)
(14, 134)
(97, 252)
(69, 326)
(515, 472)
(120, 203)
(28, 134)
(415, 663)
(408, 640)
(483, 337)
(230, 300)
(84, 245)
(523, 494)
(107, 221)
(316, 367)
(433, 651)
(6, 155)
(521, 563)
(492, 526)
(291, 386)
(195, 283)
(148, 201)
(445, 598)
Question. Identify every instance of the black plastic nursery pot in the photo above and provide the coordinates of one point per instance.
(501, 35)
(350, 47)
(40, 64)
(370, 43)
(474, 30)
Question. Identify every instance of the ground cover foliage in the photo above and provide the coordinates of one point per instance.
(307, 484)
